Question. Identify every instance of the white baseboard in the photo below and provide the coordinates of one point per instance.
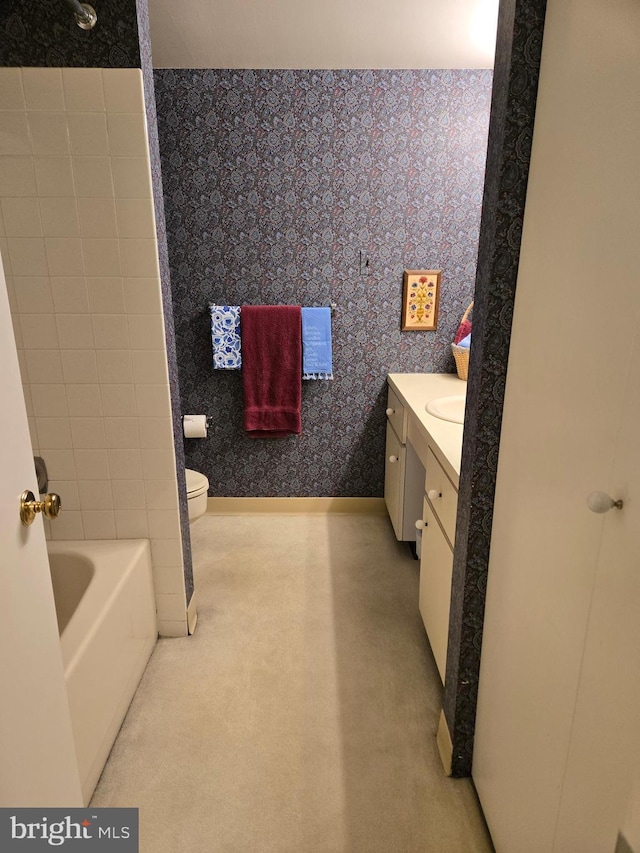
(445, 746)
(294, 506)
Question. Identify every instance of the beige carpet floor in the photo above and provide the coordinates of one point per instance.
(301, 716)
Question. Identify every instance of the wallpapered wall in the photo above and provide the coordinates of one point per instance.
(45, 34)
(273, 182)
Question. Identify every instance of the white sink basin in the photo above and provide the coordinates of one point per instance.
(448, 408)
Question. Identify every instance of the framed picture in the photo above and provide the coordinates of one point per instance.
(420, 300)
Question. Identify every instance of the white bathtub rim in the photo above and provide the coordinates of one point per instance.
(104, 587)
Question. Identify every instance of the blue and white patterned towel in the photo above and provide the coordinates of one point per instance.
(316, 344)
(225, 337)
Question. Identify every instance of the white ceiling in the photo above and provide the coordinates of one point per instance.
(323, 33)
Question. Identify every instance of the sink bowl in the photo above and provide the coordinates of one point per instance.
(448, 408)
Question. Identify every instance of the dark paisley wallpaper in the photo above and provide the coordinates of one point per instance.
(274, 182)
(45, 33)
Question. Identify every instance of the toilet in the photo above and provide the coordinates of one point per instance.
(197, 488)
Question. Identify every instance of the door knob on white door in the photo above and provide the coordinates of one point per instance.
(393, 459)
(434, 494)
(420, 524)
(602, 502)
(390, 412)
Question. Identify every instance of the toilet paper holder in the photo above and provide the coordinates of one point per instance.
(200, 431)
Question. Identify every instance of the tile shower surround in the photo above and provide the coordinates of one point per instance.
(273, 182)
(80, 254)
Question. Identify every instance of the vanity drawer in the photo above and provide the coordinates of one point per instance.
(397, 416)
(442, 495)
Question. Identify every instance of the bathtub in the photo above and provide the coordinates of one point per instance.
(105, 605)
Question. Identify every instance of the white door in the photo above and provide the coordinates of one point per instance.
(37, 756)
(557, 718)
(604, 755)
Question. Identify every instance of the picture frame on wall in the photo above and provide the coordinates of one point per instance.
(420, 300)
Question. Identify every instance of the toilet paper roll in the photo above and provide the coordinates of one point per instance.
(194, 426)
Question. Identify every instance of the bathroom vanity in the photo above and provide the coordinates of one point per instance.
(422, 471)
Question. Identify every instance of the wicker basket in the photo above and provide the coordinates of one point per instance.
(461, 354)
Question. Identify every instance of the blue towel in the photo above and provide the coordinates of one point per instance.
(465, 342)
(225, 336)
(316, 343)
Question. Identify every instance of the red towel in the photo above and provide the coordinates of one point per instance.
(271, 369)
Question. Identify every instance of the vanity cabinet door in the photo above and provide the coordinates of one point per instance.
(394, 471)
(436, 570)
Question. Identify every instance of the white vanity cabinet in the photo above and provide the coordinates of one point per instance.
(436, 561)
(422, 470)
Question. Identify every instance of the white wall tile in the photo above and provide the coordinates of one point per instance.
(153, 401)
(59, 217)
(14, 134)
(64, 256)
(70, 295)
(68, 491)
(169, 579)
(139, 258)
(161, 494)
(170, 607)
(54, 176)
(49, 401)
(21, 217)
(158, 464)
(97, 217)
(123, 90)
(99, 524)
(150, 367)
(79, 366)
(125, 464)
(131, 523)
(131, 177)
(127, 135)
(43, 88)
(61, 465)
(88, 134)
(91, 464)
(27, 256)
(119, 401)
(136, 218)
(143, 296)
(166, 552)
(68, 525)
(33, 435)
(33, 294)
(95, 494)
(163, 522)
(167, 628)
(92, 176)
(88, 433)
(84, 401)
(11, 93)
(54, 433)
(111, 331)
(102, 257)
(83, 90)
(129, 494)
(122, 433)
(75, 331)
(146, 332)
(39, 331)
(156, 433)
(114, 366)
(44, 366)
(106, 295)
(17, 177)
(49, 134)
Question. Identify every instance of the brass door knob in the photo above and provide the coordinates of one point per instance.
(30, 507)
